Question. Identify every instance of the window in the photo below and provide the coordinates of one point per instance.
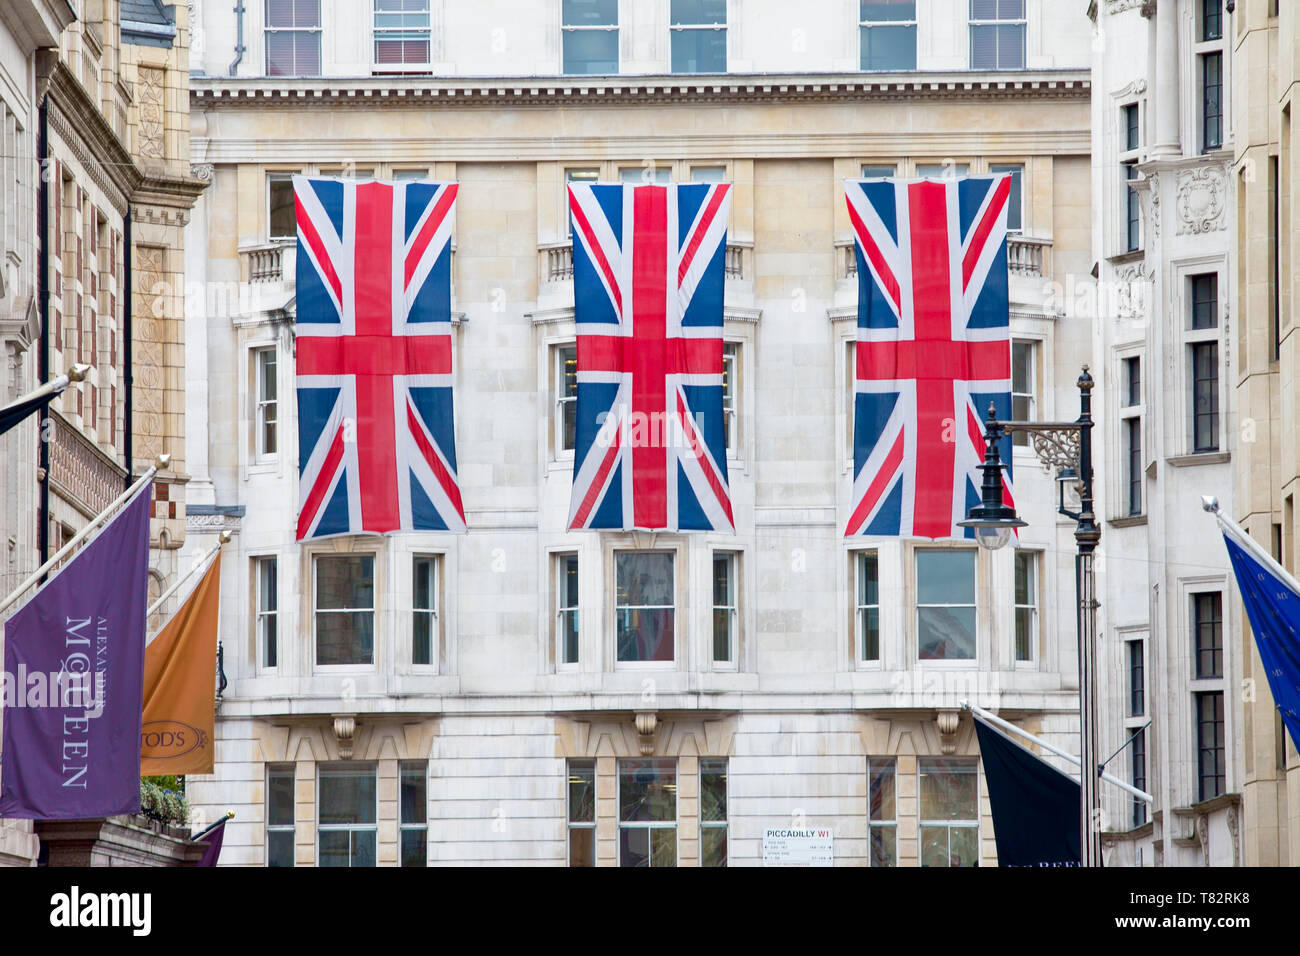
(945, 605)
(647, 813)
(644, 605)
(1207, 614)
(409, 175)
(414, 836)
(997, 34)
(882, 171)
(589, 36)
(582, 812)
(698, 36)
(882, 811)
(724, 607)
(564, 386)
(887, 34)
(949, 792)
(401, 34)
(292, 37)
(1015, 202)
(713, 812)
(266, 572)
(1209, 744)
(946, 170)
(424, 608)
(1138, 748)
(279, 816)
(267, 412)
(1132, 209)
(1205, 301)
(646, 175)
(1133, 463)
(347, 805)
(1211, 19)
(577, 176)
(345, 609)
(1211, 101)
(867, 611)
(708, 174)
(1132, 381)
(1026, 573)
(1136, 679)
(730, 387)
(1024, 379)
(1205, 396)
(281, 214)
(1132, 131)
(566, 603)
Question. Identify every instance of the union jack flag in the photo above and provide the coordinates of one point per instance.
(376, 439)
(933, 350)
(650, 450)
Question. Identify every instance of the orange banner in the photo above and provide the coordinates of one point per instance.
(180, 674)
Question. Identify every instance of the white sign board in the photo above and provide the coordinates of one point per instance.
(788, 847)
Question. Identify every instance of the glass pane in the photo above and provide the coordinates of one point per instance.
(569, 637)
(1024, 633)
(415, 848)
(363, 847)
(963, 846)
(284, 222)
(983, 51)
(722, 580)
(347, 796)
(570, 564)
(591, 51)
(948, 790)
(934, 846)
(869, 627)
(946, 633)
(279, 799)
(887, 9)
(279, 848)
(889, 48)
(708, 174)
(663, 846)
(1014, 205)
(645, 579)
(334, 848)
(1024, 579)
(942, 170)
(279, 54)
(983, 9)
(267, 586)
(582, 792)
(582, 846)
(345, 582)
(1011, 47)
(345, 638)
(879, 172)
(713, 846)
(881, 783)
(590, 12)
(721, 634)
(698, 11)
(699, 51)
(570, 426)
(713, 790)
(270, 646)
(422, 585)
(633, 846)
(421, 637)
(414, 786)
(884, 851)
(659, 175)
(645, 635)
(945, 577)
(868, 579)
(647, 790)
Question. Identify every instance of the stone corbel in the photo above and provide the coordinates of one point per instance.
(948, 722)
(647, 726)
(345, 729)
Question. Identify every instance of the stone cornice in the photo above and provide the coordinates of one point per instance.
(733, 88)
(76, 119)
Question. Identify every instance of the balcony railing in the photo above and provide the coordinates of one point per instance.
(266, 262)
(556, 260)
(1026, 256)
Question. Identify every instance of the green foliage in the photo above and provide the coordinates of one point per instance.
(161, 799)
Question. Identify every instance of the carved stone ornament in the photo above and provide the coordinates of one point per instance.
(201, 171)
(948, 721)
(647, 723)
(1234, 832)
(345, 729)
(1119, 6)
(1200, 200)
(1153, 188)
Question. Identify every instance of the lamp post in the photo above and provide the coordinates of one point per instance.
(1067, 446)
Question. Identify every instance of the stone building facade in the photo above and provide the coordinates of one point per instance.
(1164, 231)
(465, 732)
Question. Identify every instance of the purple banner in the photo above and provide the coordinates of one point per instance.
(73, 681)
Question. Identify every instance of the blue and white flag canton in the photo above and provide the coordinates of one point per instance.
(1272, 600)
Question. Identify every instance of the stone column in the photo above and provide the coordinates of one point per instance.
(1165, 80)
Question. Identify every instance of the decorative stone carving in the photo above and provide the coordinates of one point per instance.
(647, 723)
(1153, 204)
(1136, 88)
(152, 88)
(148, 357)
(1203, 837)
(202, 172)
(1119, 6)
(345, 729)
(80, 471)
(948, 721)
(1233, 831)
(1200, 200)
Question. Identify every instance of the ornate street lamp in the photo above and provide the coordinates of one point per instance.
(1067, 447)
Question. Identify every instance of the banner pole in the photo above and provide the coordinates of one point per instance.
(201, 563)
(1012, 728)
(162, 462)
(55, 385)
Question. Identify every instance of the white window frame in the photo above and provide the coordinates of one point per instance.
(873, 170)
(289, 770)
(949, 825)
(864, 25)
(943, 171)
(859, 638)
(658, 174)
(263, 405)
(700, 167)
(681, 27)
(648, 825)
(1021, 439)
(403, 827)
(586, 826)
(434, 613)
(267, 30)
(403, 34)
(585, 177)
(614, 28)
(1034, 561)
(316, 558)
(1183, 275)
(559, 572)
(346, 770)
(725, 823)
(942, 663)
(882, 824)
(1129, 413)
(677, 555)
(732, 350)
(999, 168)
(1022, 22)
(263, 616)
(1201, 50)
(559, 401)
(732, 608)
(272, 176)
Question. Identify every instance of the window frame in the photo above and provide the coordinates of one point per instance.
(915, 563)
(315, 31)
(974, 23)
(278, 176)
(676, 28)
(435, 612)
(585, 826)
(864, 28)
(281, 770)
(732, 372)
(263, 616)
(1214, 624)
(316, 558)
(615, 28)
(1021, 439)
(1018, 171)
(559, 578)
(1199, 341)
(1033, 561)
(1218, 746)
(1135, 666)
(348, 769)
(261, 403)
(733, 561)
(420, 826)
(559, 401)
(882, 824)
(393, 34)
(711, 765)
(621, 824)
(950, 824)
(675, 553)
(859, 560)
